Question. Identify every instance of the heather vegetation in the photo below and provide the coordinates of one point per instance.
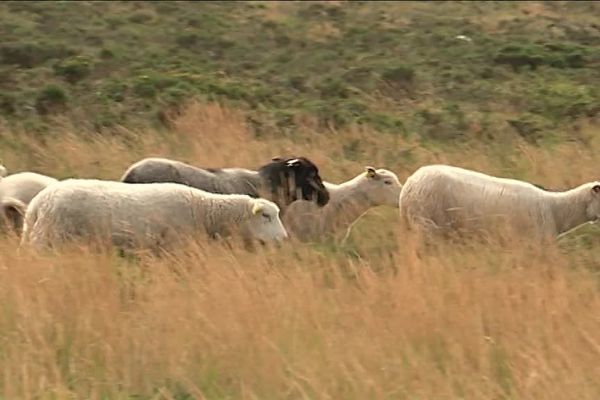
(526, 69)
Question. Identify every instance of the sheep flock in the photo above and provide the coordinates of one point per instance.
(159, 203)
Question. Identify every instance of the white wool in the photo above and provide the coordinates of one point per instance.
(443, 197)
(24, 185)
(154, 215)
(18, 189)
(347, 202)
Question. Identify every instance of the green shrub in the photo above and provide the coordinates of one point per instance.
(186, 40)
(105, 119)
(232, 91)
(150, 85)
(530, 127)
(115, 91)
(8, 103)
(51, 99)
(385, 122)
(332, 87)
(298, 82)
(337, 112)
(361, 77)
(518, 56)
(175, 95)
(560, 55)
(557, 100)
(401, 73)
(106, 54)
(144, 86)
(556, 55)
(141, 17)
(31, 54)
(73, 69)
(447, 123)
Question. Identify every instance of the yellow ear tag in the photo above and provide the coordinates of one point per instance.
(256, 208)
(371, 172)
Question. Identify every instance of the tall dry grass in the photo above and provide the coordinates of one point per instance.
(379, 317)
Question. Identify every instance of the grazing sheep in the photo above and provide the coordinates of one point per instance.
(445, 198)
(348, 201)
(149, 216)
(16, 191)
(279, 181)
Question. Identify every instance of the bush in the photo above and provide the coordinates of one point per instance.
(115, 90)
(401, 73)
(554, 55)
(565, 56)
(361, 77)
(73, 69)
(448, 123)
(176, 95)
(333, 88)
(298, 82)
(149, 85)
(187, 40)
(557, 100)
(106, 54)
(105, 119)
(141, 17)
(519, 56)
(144, 87)
(385, 123)
(52, 99)
(528, 126)
(28, 55)
(337, 112)
(8, 103)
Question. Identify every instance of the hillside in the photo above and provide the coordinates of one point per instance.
(530, 69)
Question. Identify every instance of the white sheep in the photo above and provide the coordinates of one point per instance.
(445, 199)
(16, 191)
(151, 216)
(347, 202)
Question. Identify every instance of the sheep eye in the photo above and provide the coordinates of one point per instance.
(267, 216)
(388, 182)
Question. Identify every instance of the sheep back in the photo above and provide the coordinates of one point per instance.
(446, 198)
(151, 215)
(221, 181)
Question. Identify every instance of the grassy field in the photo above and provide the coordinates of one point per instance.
(88, 88)
(374, 316)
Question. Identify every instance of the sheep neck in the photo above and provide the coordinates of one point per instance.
(569, 208)
(347, 201)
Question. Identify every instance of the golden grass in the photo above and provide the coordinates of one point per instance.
(379, 317)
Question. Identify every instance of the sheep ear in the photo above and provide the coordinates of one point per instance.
(256, 208)
(596, 189)
(371, 172)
